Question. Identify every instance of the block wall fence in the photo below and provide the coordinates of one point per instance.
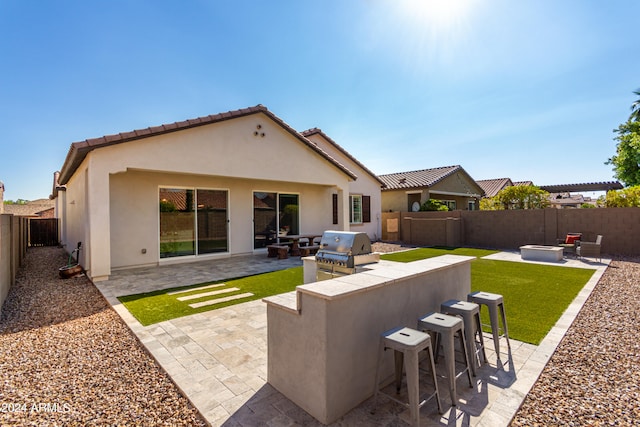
(510, 229)
(13, 247)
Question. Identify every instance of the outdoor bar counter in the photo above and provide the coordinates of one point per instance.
(323, 338)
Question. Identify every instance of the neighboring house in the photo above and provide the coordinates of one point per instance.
(492, 187)
(41, 208)
(406, 191)
(568, 200)
(219, 185)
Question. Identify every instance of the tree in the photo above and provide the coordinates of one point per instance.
(635, 108)
(625, 198)
(626, 161)
(517, 197)
(17, 202)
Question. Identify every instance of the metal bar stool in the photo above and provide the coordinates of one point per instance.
(470, 313)
(407, 343)
(445, 327)
(493, 303)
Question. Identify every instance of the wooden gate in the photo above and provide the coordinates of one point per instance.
(43, 232)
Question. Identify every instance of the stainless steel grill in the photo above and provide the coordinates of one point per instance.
(341, 252)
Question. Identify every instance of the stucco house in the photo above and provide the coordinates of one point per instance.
(406, 191)
(215, 186)
(493, 186)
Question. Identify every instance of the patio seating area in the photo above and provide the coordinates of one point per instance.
(219, 358)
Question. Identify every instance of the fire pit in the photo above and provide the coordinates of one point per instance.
(541, 253)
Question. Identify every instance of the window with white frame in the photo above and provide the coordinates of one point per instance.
(355, 209)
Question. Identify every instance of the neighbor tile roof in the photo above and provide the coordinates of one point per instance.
(492, 187)
(79, 150)
(32, 208)
(418, 179)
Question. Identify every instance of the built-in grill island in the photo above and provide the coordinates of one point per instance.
(342, 253)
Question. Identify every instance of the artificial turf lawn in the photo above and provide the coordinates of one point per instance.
(422, 253)
(535, 295)
(157, 306)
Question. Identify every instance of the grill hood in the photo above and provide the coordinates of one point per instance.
(345, 242)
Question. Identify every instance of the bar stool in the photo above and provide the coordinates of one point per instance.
(470, 313)
(493, 303)
(407, 343)
(445, 327)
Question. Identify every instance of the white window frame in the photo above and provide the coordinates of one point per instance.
(355, 212)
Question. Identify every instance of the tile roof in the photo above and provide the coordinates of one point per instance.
(419, 178)
(318, 131)
(79, 150)
(492, 187)
(521, 183)
(33, 208)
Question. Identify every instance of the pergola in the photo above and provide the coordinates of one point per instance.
(575, 188)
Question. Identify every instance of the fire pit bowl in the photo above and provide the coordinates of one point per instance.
(70, 271)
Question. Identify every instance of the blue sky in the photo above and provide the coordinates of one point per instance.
(529, 89)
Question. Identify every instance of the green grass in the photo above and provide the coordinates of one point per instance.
(535, 295)
(422, 253)
(157, 306)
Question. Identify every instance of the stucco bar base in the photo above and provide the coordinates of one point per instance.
(541, 253)
(323, 338)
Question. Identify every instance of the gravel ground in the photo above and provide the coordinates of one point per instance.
(66, 357)
(593, 378)
(384, 247)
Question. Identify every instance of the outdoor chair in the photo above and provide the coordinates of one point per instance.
(570, 243)
(590, 249)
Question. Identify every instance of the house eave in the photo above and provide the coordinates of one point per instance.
(78, 151)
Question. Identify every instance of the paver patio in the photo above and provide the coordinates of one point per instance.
(219, 358)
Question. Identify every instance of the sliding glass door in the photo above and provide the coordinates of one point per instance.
(212, 221)
(274, 215)
(289, 220)
(192, 222)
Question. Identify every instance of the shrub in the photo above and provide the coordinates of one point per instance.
(433, 205)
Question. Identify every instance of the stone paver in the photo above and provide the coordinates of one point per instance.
(219, 358)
